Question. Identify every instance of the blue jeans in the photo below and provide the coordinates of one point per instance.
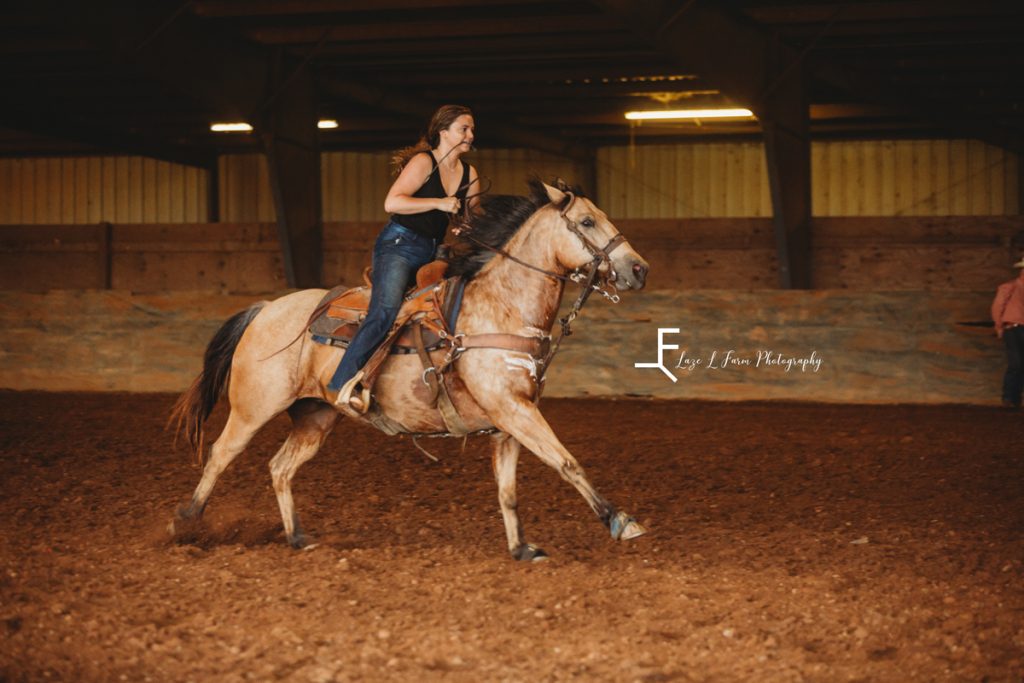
(397, 255)
(1013, 380)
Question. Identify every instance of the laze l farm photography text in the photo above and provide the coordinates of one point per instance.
(722, 359)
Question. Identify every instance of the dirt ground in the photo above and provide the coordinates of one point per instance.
(789, 542)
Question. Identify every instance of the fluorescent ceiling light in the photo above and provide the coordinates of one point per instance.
(666, 114)
(242, 127)
(231, 127)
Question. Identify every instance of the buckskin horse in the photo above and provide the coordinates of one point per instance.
(522, 252)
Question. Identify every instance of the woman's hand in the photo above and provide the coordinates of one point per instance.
(448, 204)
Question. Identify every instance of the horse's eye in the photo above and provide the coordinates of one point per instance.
(587, 222)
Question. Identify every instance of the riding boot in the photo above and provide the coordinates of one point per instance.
(351, 402)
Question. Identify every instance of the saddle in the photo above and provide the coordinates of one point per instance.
(425, 322)
(432, 305)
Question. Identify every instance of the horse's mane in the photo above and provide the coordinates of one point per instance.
(498, 218)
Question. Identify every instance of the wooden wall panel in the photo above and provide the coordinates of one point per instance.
(869, 352)
(856, 253)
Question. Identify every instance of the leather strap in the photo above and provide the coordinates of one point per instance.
(452, 419)
(535, 346)
(439, 392)
(429, 371)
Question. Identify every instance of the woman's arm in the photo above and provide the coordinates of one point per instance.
(474, 190)
(412, 177)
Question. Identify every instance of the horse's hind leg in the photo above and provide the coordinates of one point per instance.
(312, 422)
(528, 426)
(238, 431)
(506, 457)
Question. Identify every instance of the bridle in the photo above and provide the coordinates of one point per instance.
(541, 348)
(586, 272)
(585, 275)
(601, 255)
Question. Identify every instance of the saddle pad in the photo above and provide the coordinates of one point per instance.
(342, 311)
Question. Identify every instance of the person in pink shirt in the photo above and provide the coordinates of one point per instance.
(1008, 316)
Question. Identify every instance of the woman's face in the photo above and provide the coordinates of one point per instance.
(460, 132)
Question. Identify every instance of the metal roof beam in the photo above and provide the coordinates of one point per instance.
(760, 73)
(245, 82)
(420, 109)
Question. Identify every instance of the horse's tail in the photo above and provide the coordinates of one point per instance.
(195, 405)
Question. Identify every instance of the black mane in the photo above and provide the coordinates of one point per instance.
(498, 218)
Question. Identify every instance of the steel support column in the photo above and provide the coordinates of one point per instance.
(288, 130)
(755, 71)
(783, 112)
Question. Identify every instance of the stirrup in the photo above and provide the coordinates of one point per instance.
(349, 401)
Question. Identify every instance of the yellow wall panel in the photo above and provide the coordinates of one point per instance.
(48, 194)
(1012, 184)
(6, 168)
(245, 194)
(94, 189)
(700, 180)
(354, 185)
(509, 169)
(852, 178)
(682, 181)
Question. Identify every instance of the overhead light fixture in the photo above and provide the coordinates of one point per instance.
(239, 127)
(680, 114)
(242, 127)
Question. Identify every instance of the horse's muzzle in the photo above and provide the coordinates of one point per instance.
(639, 271)
(631, 273)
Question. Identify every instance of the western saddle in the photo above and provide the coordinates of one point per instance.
(426, 322)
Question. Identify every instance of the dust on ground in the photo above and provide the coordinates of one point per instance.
(789, 542)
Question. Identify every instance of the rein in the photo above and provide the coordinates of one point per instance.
(585, 276)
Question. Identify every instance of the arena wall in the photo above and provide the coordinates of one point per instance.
(863, 254)
(112, 278)
(832, 346)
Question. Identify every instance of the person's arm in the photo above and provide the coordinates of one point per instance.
(400, 197)
(998, 306)
(474, 190)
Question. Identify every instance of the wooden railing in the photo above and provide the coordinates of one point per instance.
(923, 253)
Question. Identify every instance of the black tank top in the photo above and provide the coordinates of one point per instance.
(433, 223)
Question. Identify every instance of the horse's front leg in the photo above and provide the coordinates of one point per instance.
(506, 457)
(521, 419)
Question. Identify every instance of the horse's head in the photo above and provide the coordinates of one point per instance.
(584, 235)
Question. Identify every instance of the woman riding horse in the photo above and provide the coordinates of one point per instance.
(527, 250)
(432, 184)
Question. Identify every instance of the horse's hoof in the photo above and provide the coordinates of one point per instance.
(528, 552)
(624, 527)
(190, 512)
(301, 542)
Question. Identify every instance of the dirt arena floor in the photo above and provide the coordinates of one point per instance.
(789, 542)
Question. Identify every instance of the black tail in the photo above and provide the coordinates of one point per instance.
(195, 405)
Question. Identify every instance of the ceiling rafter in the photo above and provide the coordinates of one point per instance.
(944, 67)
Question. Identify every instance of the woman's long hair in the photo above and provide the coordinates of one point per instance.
(442, 118)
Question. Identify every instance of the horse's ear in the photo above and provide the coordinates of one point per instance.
(554, 194)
